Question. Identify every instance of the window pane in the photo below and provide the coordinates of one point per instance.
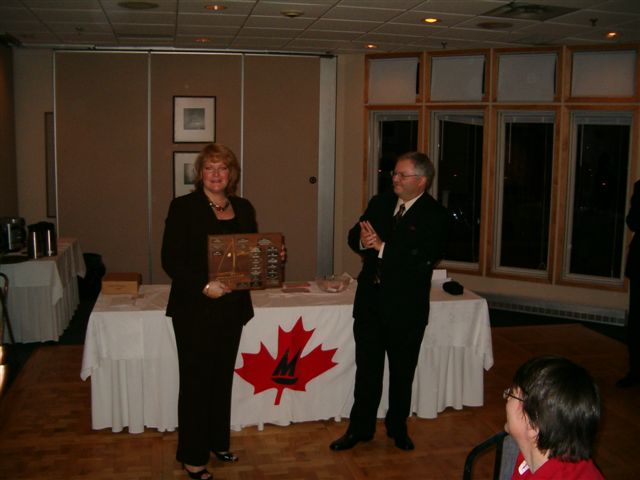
(457, 78)
(603, 74)
(393, 80)
(527, 77)
(459, 178)
(396, 138)
(526, 191)
(599, 199)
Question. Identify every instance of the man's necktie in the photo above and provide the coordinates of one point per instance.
(398, 215)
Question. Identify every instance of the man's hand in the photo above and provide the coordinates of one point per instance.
(368, 236)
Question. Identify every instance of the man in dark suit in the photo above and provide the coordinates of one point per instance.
(632, 271)
(400, 238)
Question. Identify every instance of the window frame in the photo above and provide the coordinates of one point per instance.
(497, 270)
(434, 149)
(375, 116)
(573, 117)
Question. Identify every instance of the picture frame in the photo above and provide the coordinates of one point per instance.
(183, 172)
(194, 119)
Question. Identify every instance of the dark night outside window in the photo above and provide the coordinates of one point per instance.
(526, 193)
(599, 198)
(396, 137)
(459, 179)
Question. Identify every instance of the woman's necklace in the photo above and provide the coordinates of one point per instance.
(219, 208)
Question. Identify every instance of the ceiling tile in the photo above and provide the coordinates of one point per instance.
(325, 25)
(279, 22)
(345, 25)
(273, 9)
(329, 35)
(363, 13)
(207, 21)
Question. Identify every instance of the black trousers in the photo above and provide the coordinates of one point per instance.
(633, 327)
(207, 349)
(400, 340)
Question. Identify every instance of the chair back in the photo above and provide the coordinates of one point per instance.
(506, 452)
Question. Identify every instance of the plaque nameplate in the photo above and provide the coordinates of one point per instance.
(247, 261)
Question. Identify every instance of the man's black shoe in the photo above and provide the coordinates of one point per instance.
(403, 442)
(347, 441)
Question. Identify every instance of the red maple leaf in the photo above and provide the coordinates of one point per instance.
(288, 369)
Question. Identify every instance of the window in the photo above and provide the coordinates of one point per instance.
(393, 80)
(523, 189)
(457, 155)
(604, 74)
(457, 78)
(393, 133)
(598, 193)
(527, 77)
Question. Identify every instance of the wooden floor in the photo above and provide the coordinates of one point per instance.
(45, 425)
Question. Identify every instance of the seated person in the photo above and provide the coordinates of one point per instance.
(553, 410)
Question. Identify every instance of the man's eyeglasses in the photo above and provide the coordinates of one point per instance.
(403, 175)
(507, 393)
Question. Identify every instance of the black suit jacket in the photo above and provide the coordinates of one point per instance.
(412, 249)
(633, 222)
(184, 256)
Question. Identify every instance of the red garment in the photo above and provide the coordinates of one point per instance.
(554, 469)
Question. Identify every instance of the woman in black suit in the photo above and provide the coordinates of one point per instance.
(207, 316)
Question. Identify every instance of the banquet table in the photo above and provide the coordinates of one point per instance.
(130, 355)
(43, 293)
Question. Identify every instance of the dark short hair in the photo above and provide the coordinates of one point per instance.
(563, 402)
(217, 152)
(422, 165)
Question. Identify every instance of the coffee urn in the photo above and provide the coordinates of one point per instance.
(41, 240)
(13, 234)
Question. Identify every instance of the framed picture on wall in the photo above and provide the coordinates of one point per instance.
(183, 172)
(194, 119)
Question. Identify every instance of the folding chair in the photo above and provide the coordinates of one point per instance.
(505, 459)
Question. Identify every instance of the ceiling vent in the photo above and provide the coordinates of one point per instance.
(528, 11)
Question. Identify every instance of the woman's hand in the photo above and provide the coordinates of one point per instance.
(215, 289)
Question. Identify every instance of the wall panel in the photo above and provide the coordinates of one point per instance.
(281, 153)
(218, 76)
(8, 187)
(101, 121)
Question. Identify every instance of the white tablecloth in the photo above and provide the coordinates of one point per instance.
(43, 293)
(130, 354)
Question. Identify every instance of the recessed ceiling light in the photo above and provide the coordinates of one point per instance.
(292, 13)
(215, 7)
(611, 34)
(431, 20)
(138, 5)
(371, 46)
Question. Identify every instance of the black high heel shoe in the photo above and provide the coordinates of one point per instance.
(226, 456)
(199, 475)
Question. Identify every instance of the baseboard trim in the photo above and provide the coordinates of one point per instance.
(583, 313)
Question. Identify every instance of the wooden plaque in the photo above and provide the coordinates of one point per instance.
(248, 261)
